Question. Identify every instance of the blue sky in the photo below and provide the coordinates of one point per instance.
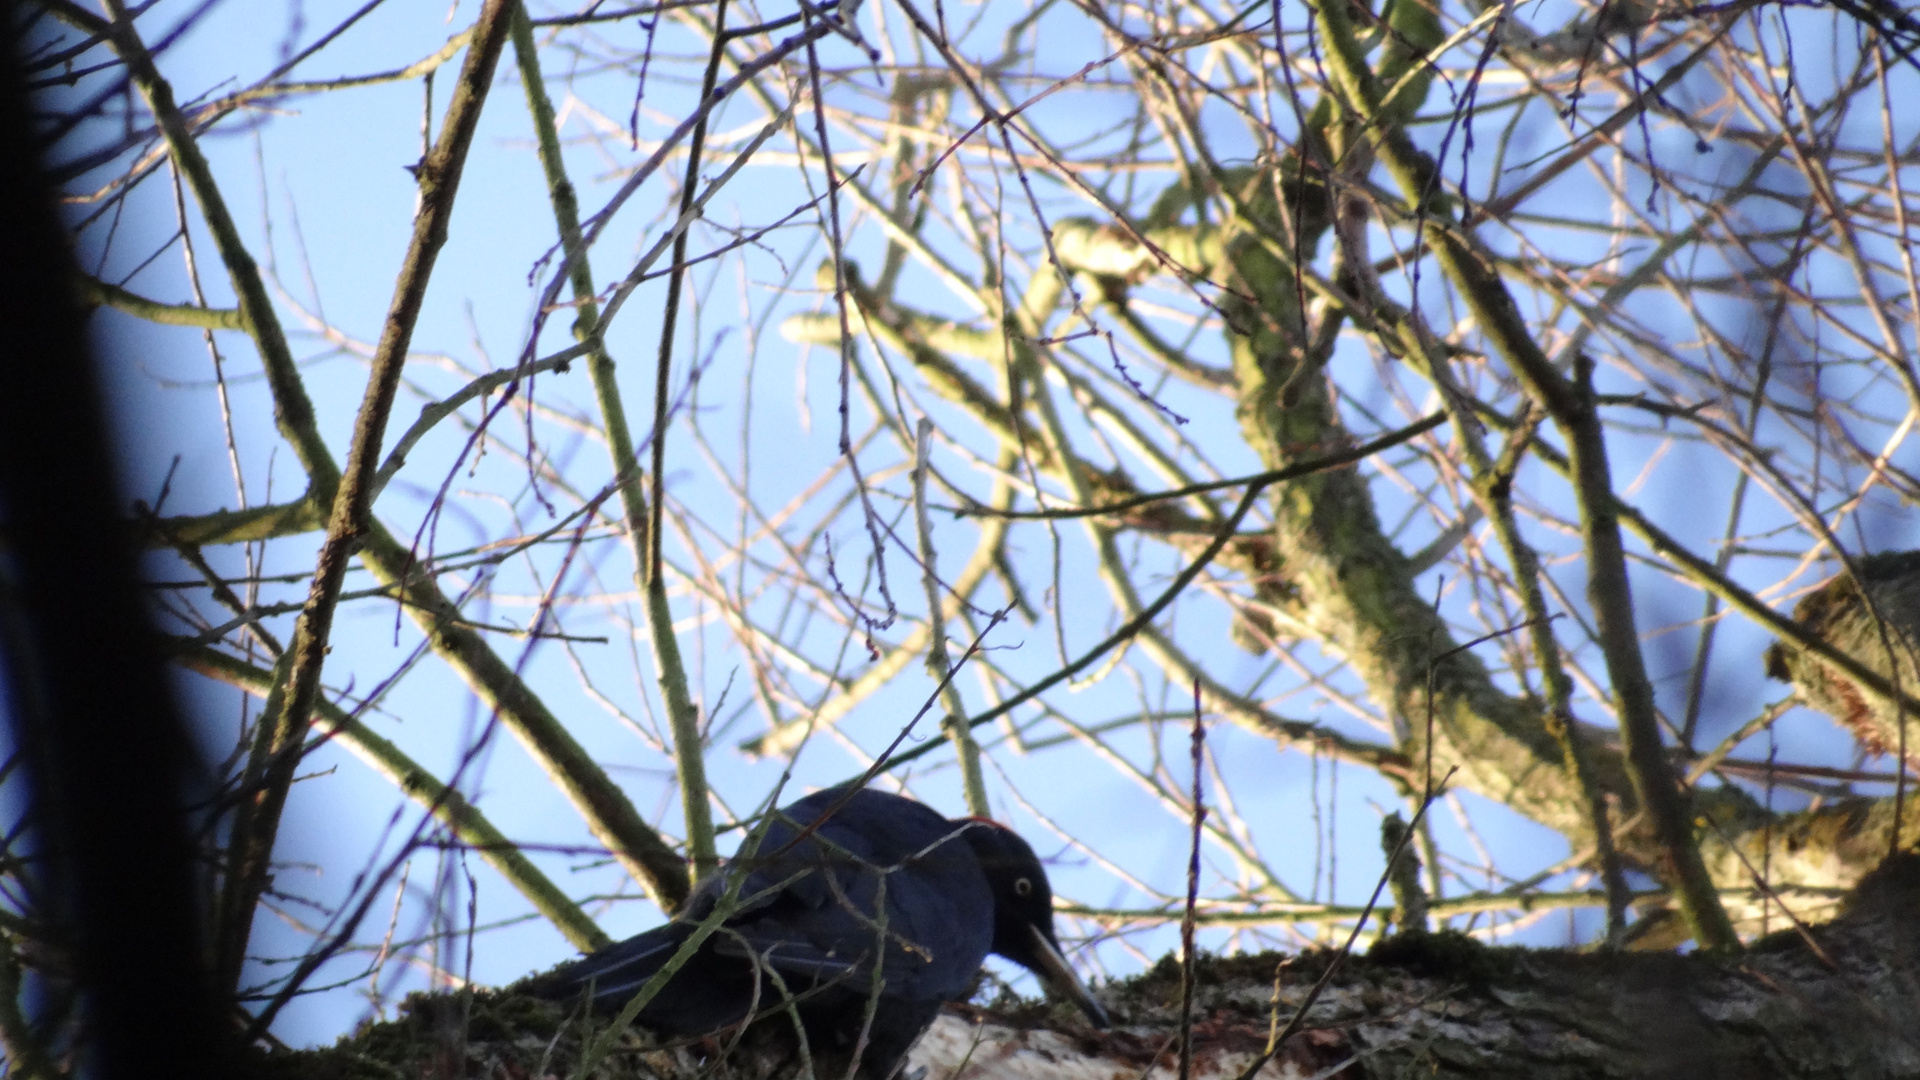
(320, 186)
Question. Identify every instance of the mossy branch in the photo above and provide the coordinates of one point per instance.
(608, 813)
(689, 749)
(351, 516)
(97, 293)
(1570, 404)
(447, 805)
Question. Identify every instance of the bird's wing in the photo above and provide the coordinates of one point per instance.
(792, 959)
(835, 914)
(619, 969)
(815, 923)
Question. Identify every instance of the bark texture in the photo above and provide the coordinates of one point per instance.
(1873, 615)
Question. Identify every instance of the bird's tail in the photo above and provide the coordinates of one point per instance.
(614, 972)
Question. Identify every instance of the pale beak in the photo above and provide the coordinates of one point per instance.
(1054, 970)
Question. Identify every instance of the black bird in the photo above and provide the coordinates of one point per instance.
(842, 880)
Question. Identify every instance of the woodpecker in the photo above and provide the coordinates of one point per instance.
(840, 883)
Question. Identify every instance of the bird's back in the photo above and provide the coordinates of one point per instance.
(880, 877)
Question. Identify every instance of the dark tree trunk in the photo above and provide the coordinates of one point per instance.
(1838, 1000)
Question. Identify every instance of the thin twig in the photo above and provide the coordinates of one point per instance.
(1199, 816)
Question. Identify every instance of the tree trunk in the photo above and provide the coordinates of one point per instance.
(1839, 1000)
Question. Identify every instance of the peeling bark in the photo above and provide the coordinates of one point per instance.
(1872, 615)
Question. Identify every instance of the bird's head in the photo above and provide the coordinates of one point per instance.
(1023, 912)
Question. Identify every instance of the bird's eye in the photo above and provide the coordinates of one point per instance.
(1022, 887)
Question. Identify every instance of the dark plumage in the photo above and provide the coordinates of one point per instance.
(812, 909)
